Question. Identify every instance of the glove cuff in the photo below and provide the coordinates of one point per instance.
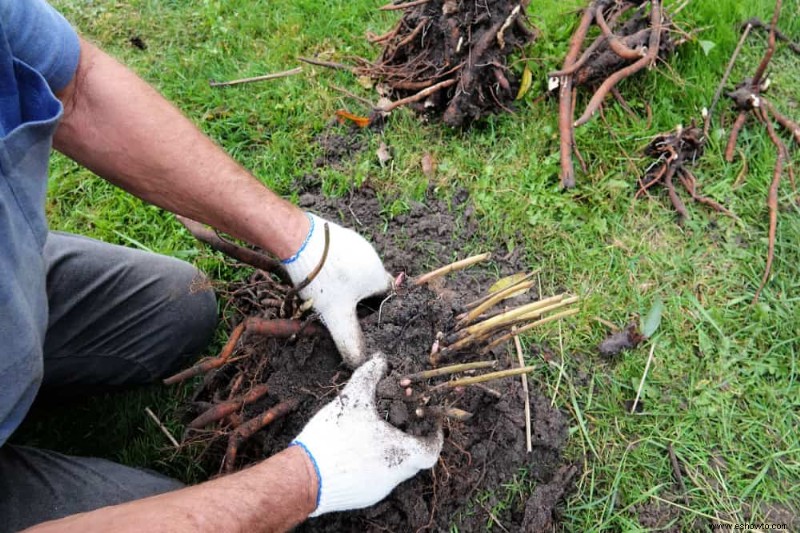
(334, 491)
(310, 252)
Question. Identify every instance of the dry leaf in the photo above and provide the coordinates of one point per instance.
(365, 82)
(384, 153)
(508, 281)
(428, 165)
(525, 84)
(342, 116)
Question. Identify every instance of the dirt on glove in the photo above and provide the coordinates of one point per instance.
(480, 454)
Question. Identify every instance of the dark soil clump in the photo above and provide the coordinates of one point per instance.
(479, 454)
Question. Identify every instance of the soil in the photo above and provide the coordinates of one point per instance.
(480, 454)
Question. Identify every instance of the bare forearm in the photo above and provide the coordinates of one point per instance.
(118, 126)
(273, 496)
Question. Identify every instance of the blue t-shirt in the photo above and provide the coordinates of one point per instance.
(39, 54)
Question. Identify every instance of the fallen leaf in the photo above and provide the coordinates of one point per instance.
(365, 82)
(508, 281)
(707, 46)
(525, 84)
(384, 153)
(653, 319)
(343, 116)
(428, 165)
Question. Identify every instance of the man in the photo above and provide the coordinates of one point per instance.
(76, 314)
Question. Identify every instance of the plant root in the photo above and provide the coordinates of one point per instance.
(623, 48)
(229, 407)
(249, 428)
(748, 100)
(278, 328)
(250, 257)
(447, 59)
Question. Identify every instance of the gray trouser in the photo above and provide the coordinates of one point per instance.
(117, 317)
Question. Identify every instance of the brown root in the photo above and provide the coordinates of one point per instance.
(617, 53)
(245, 255)
(249, 428)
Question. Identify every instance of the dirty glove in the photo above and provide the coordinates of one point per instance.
(359, 458)
(352, 271)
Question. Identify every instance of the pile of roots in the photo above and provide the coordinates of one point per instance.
(634, 34)
(449, 59)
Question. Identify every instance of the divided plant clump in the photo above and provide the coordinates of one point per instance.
(445, 59)
(444, 342)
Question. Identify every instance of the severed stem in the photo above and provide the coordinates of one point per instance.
(504, 338)
(452, 267)
(443, 412)
(491, 376)
(497, 297)
(524, 377)
(482, 299)
(444, 371)
(504, 318)
(266, 77)
(327, 64)
(419, 96)
(725, 76)
(509, 319)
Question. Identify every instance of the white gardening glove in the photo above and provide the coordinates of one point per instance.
(359, 458)
(352, 271)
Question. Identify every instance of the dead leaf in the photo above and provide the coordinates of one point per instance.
(428, 165)
(365, 82)
(342, 116)
(525, 84)
(508, 281)
(384, 153)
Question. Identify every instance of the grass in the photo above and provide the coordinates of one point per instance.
(723, 388)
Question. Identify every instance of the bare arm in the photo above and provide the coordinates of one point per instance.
(272, 496)
(119, 127)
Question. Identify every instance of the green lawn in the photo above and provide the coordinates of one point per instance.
(723, 389)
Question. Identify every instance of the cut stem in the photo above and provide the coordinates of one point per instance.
(491, 376)
(452, 267)
(507, 317)
(496, 298)
(482, 299)
(644, 377)
(506, 337)
(266, 77)
(447, 370)
(524, 378)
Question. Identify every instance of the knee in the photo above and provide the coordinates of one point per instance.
(196, 304)
(192, 316)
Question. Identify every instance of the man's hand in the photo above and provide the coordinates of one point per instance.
(352, 271)
(358, 457)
